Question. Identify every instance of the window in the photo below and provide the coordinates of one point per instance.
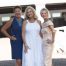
(56, 14)
(5, 18)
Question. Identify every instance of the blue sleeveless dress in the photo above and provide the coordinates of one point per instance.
(16, 45)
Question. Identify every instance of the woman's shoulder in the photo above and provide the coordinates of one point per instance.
(12, 18)
(22, 19)
(38, 21)
(25, 21)
(50, 22)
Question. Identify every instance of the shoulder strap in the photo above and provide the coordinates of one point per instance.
(22, 20)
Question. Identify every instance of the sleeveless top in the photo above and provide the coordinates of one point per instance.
(16, 28)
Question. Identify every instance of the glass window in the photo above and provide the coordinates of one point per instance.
(5, 18)
(56, 14)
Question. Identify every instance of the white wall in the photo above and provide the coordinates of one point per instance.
(5, 49)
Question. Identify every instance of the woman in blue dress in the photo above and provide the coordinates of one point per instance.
(15, 25)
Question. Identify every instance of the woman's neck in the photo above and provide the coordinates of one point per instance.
(19, 18)
(31, 19)
(45, 20)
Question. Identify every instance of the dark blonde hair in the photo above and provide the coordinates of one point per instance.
(33, 10)
(44, 9)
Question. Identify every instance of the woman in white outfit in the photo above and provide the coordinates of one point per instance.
(32, 55)
(48, 37)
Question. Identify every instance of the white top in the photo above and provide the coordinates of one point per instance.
(34, 55)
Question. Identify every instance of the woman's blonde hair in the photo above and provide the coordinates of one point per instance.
(33, 10)
(44, 9)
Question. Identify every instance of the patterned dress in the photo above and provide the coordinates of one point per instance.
(47, 47)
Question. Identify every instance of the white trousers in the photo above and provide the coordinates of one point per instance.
(47, 54)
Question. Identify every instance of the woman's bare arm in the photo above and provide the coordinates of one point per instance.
(53, 32)
(5, 27)
(23, 32)
(23, 37)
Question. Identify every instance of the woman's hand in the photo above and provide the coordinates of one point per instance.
(50, 41)
(13, 38)
(26, 48)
